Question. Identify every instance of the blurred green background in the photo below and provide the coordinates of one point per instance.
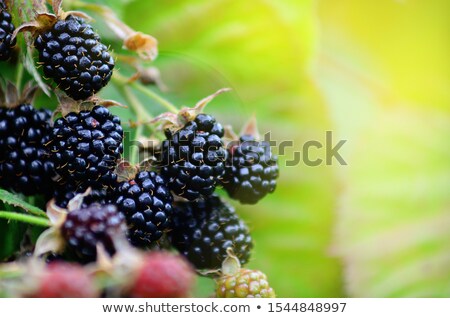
(376, 74)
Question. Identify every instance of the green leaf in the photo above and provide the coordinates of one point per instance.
(14, 200)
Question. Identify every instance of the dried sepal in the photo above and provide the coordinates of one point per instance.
(167, 121)
(231, 265)
(146, 46)
(229, 135)
(251, 128)
(10, 96)
(66, 104)
(56, 214)
(49, 241)
(126, 171)
(187, 114)
(77, 201)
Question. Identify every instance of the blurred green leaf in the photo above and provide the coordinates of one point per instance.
(14, 200)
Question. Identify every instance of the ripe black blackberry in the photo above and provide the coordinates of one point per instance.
(251, 170)
(193, 157)
(6, 30)
(204, 229)
(64, 194)
(85, 148)
(147, 204)
(25, 166)
(84, 228)
(73, 56)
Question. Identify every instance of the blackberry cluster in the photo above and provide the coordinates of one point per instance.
(204, 229)
(85, 147)
(251, 170)
(6, 30)
(24, 163)
(73, 56)
(193, 157)
(147, 204)
(83, 229)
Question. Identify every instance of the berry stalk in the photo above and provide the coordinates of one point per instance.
(120, 80)
(30, 219)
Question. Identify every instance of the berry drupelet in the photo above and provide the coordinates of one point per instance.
(85, 148)
(6, 30)
(147, 204)
(25, 166)
(84, 228)
(251, 170)
(204, 229)
(73, 56)
(193, 157)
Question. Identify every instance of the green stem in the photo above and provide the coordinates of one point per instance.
(30, 219)
(134, 156)
(19, 75)
(121, 80)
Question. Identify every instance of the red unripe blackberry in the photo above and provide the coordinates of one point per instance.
(163, 275)
(251, 170)
(84, 228)
(204, 229)
(25, 166)
(63, 280)
(193, 157)
(147, 204)
(73, 56)
(85, 148)
(6, 30)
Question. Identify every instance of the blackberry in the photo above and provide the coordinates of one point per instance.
(73, 56)
(245, 283)
(25, 166)
(6, 30)
(84, 228)
(66, 193)
(204, 229)
(193, 157)
(85, 148)
(147, 204)
(251, 170)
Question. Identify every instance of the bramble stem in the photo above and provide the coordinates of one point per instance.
(19, 76)
(121, 80)
(134, 156)
(30, 219)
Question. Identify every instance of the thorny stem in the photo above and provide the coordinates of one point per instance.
(121, 80)
(30, 219)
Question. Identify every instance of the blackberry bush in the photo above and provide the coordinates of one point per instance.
(6, 30)
(192, 158)
(204, 229)
(100, 206)
(72, 54)
(85, 148)
(251, 170)
(147, 204)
